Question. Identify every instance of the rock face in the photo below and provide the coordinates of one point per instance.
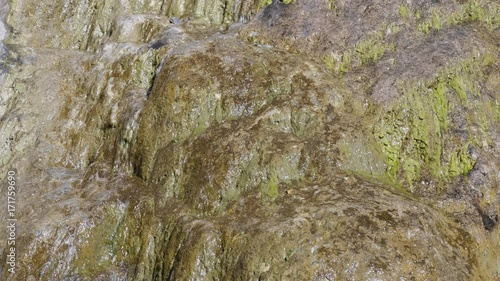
(251, 140)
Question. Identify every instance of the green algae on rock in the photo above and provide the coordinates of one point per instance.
(211, 140)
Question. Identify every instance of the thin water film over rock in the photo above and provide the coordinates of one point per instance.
(250, 140)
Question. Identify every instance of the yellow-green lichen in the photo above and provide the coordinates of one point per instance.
(264, 3)
(403, 11)
(270, 188)
(340, 64)
(414, 136)
(372, 49)
(331, 5)
(436, 21)
(330, 62)
(424, 27)
(460, 162)
(418, 15)
(481, 11)
(440, 105)
(393, 28)
(367, 50)
(458, 85)
(412, 170)
(345, 62)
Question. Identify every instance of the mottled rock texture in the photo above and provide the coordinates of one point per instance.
(252, 139)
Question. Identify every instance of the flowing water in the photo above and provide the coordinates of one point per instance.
(251, 140)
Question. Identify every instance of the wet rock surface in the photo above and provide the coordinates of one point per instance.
(252, 140)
